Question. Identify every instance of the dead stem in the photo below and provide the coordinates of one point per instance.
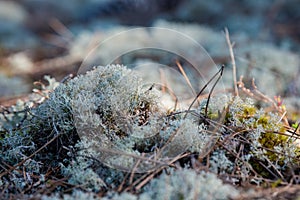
(230, 46)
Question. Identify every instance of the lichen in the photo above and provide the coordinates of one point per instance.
(188, 184)
(96, 127)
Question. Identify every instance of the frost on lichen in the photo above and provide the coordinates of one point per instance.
(188, 184)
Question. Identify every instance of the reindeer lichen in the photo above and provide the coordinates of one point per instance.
(188, 184)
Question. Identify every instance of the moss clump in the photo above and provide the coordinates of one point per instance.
(265, 133)
(244, 114)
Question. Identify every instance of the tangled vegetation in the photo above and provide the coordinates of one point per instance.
(105, 135)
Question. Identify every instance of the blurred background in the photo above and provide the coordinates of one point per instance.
(39, 37)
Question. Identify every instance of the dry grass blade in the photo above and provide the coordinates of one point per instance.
(230, 46)
(60, 28)
(185, 76)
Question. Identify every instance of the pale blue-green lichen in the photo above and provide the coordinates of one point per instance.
(76, 194)
(188, 184)
(109, 110)
(113, 110)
